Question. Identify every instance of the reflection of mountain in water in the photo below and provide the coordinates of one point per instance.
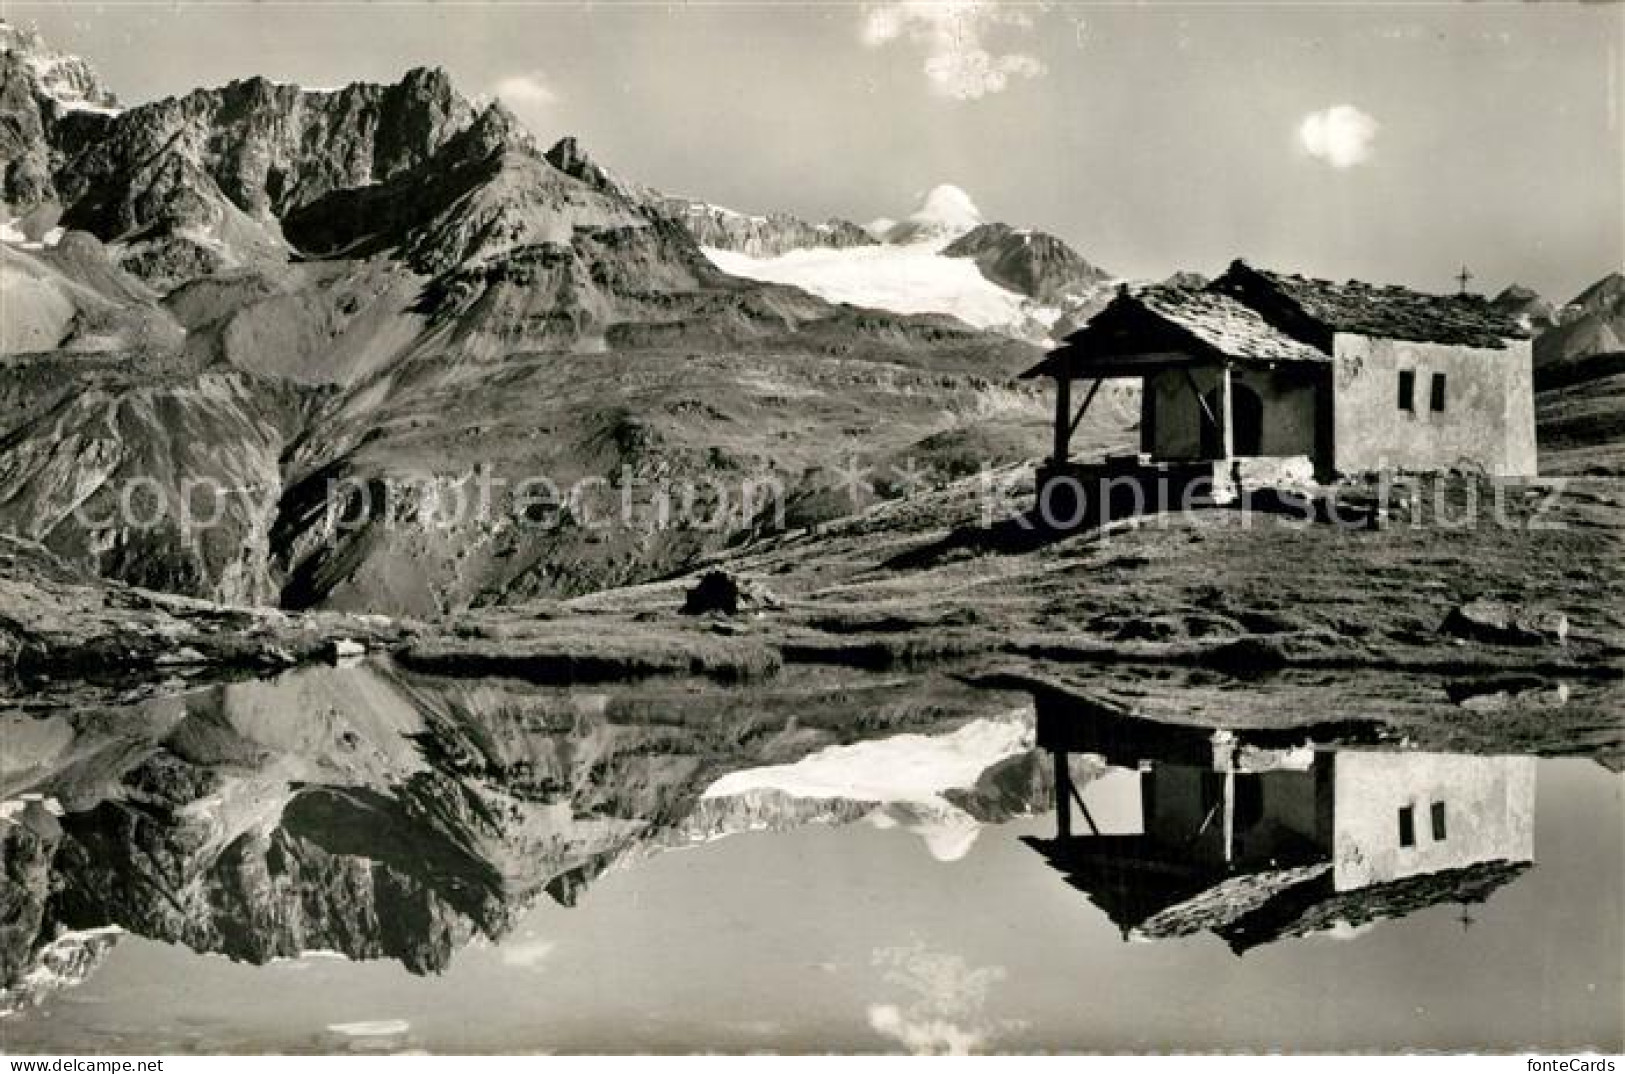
(1255, 837)
(383, 815)
(938, 787)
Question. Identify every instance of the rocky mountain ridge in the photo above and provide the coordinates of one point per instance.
(196, 184)
(1527, 306)
(52, 104)
(759, 236)
(274, 295)
(1037, 265)
(62, 78)
(1591, 323)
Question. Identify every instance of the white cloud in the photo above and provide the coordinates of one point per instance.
(945, 1012)
(526, 953)
(975, 73)
(952, 33)
(925, 1036)
(528, 90)
(1340, 135)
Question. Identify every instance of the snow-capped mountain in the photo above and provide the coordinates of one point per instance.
(759, 235)
(941, 258)
(945, 213)
(903, 781)
(66, 80)
(908, 278)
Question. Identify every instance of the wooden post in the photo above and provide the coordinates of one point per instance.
(1063, 795)
(1063, 415)
(1229, 802)
(1148, 415)
(1227, 427)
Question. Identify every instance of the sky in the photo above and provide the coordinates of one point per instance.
(1392, 142)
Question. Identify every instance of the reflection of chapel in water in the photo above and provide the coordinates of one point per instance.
(1255, 838)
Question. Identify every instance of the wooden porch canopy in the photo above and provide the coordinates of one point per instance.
(1160, 328)
(1077, 361)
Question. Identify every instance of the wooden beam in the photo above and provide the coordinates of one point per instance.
(1082, 410)
(1063, 795)
(1072, 363)
(1085, 359)
(1227, 426)
(1207, 411)
(1063, 414)
(1083, 808)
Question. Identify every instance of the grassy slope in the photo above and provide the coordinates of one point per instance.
(1190, 612)
(1213, 574)
(1582, 420)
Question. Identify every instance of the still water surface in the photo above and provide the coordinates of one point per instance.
(913, 925)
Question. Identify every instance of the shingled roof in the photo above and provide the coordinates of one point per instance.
(1368, 310)
(1145, 320)
(1153, 898)
(1251, 314)
(1224, 324)
(1315, 907)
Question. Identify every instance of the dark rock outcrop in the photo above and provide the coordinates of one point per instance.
(569, 157)
(28, 842)
(1035, 264)
(722, 593)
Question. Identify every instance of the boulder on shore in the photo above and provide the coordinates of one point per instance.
(1502, 623)
(721, 592)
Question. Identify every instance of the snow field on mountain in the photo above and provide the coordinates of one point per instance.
(911, 278)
